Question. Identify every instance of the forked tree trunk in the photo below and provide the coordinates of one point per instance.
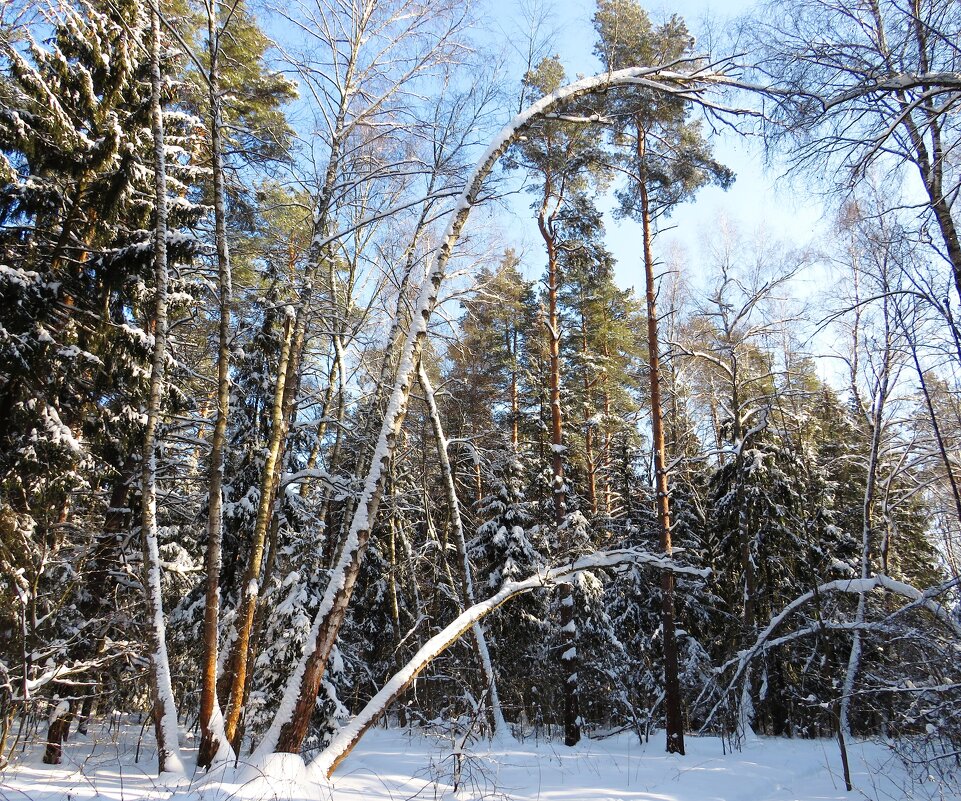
(672, 688)
(930, 161)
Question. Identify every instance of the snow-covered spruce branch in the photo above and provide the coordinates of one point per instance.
(851, 586)
(290, 721)
(337, 484)
(328, 760)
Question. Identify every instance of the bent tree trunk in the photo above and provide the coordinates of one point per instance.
(289, 727)
(326, 763)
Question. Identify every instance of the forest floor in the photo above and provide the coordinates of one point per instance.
(399, 765)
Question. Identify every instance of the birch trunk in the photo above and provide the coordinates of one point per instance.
(164, 706)
(345, 740)
(875, 421)
(213, 739)
(467, 580)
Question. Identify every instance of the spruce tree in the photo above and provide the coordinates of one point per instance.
(77, 206)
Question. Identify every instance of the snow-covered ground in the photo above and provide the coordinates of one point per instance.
(398, 766)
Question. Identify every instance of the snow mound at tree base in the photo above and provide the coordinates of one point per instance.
(278, 776)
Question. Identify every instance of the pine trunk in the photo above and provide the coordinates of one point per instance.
(672, 689)
(589, 455)
(568, 657)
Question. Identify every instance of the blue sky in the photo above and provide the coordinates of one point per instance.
(758, 200)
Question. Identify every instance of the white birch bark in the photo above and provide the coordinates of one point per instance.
(861, 586)
(165, 708)
(875, 420)
(327, 761)
(214, 744)
(467, 579)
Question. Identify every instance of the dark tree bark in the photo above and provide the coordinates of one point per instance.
(57, 732)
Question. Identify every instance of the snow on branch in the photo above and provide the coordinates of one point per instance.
(337, 484)
(915, 597)
(328, 760)
(932, 82)
(303, 681)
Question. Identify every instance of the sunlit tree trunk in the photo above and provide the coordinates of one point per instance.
(568, 656)
(213, 737)
(672, 689)
(164, 706)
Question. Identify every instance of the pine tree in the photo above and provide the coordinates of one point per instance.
(602, 351)
(669, 162)
(566, 160)
(509, 547)
(486, 362)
